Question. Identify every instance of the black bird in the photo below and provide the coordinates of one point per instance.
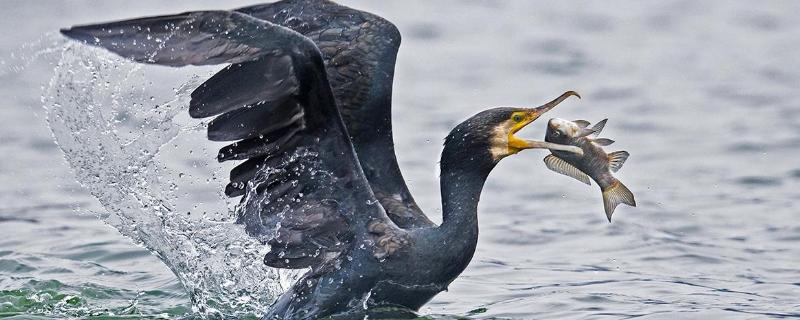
(306, 97)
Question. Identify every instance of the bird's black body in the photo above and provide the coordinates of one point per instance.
(307, 100)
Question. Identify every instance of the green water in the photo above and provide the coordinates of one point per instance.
(42, 300)
(54, 298)
(54, 279)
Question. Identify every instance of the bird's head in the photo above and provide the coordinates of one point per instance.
(489, 136)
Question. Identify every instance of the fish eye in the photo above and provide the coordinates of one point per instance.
(517, 118)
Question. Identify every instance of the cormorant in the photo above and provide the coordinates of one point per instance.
(306, 97)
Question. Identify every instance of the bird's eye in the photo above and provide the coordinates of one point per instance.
(556, 133)
(517, 118)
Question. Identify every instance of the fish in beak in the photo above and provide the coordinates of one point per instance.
(594, 164)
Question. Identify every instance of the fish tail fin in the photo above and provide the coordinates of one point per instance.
(615, 194)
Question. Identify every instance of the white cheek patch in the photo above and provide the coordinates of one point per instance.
(499, 141)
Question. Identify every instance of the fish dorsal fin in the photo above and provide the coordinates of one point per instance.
(603, 142)
(581, 123)
(559, 165)
(584, 132)
(617, 159)
(598, 127)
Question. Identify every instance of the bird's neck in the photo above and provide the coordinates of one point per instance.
(461, 190)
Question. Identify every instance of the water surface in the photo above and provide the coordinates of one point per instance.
(702, 94)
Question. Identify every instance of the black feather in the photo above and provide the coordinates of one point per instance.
(266, 144)
(269, 79)
(253, 121)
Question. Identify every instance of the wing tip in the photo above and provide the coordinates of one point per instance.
(73, 33)
(233, 190)
(87, 33)
(196, 110)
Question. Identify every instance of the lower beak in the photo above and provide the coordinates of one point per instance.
(534, 114)
(533, 144)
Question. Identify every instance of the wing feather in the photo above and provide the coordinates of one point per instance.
(217, 95)
(359, 50)
(303, 190)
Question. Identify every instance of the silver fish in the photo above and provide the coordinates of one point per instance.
(594, 163)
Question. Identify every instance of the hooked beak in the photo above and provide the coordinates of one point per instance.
(517, 144)
(552, 104)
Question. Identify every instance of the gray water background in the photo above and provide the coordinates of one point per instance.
(700, 93)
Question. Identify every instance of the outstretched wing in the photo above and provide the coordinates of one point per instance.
(304, 191)
(359, 50)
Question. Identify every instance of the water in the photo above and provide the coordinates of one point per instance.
(701, 95)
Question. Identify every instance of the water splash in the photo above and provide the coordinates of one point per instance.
(141, 160)
(42, 49)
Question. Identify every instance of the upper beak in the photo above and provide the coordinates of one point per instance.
(535, 113)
